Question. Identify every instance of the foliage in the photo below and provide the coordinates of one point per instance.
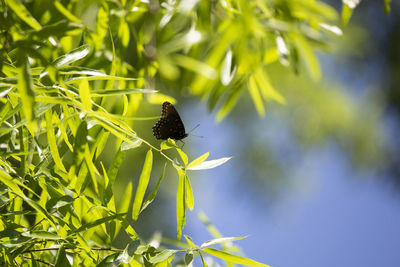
(73, 75)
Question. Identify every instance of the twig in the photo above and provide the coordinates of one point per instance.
(42, 261)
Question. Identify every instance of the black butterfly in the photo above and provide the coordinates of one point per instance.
(170, 124)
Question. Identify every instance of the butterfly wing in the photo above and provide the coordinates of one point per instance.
(170, 124)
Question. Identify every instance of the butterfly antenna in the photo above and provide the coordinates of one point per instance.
(195, 129)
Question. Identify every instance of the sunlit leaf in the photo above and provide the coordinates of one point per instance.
(153, 193)
(189, 194)
(21, 11)
(134, 143)
(209, 164)
(184, 157)
(61, 258)
(180, 204)
(142, 186)
(72, 56)
(221, 240)
(84, 93)
(42, 235)
(198, 161)
(163, 255)
(233, 258)
(255, 96)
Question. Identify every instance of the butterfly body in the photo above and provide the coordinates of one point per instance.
(170, 124)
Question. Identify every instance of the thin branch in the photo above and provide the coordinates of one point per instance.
(42, 261)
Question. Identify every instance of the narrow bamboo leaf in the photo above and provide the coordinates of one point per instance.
(142, 186)
(231, 101)
(203, 261)
(92, 168)
(128, 229)
(126, 200)
(180, 204)
(209, 164)
(195, 66)
(21, 11)
(255, 96)
(111, 260)
(13, 184)
(233, 258)
(134, 143)
(119, 92)
(61, 259)
(189, 194)
(51, 139)
(79, 145)
(42, 235)
(153, 193)
(198, 161)
(25, 89)
(308, 56)
(221, 240)
(163, 255)
(102, 24)
(184, 157)
(66, 12)
(347, 9)
(190, 241)
(386, 6)
(267, 91)
(84, 93)
(41, 210)
(74, 55)
(98, 222)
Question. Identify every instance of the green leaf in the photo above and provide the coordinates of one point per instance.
(188, 257)
(347, 9)
(133, 143)
(221, 240)
(84, 93)
(190, 241)
(66, 12)
(386, 6)
(129, 251)
(255, 96)
(198, 161)
(307, 56)
(21, 11)
(180, 204)
(189, 194)
(41, 235)
(209, 164)
(25, 89)
(184, 157)
(163, 255)
(74, 55)
(98, 222)
(233, 258)
(51, 139)
(126, 200)
(119, 92)
(153, 193)
(61, 258)
(142, 186)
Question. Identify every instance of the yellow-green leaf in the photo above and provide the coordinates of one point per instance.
(51, 139)
(184, 157)
(84, 93)
(180, 204)
(209, 164)
(23, 13)
(233, 258)
(255, 96)
(142, 186)
(189, 194)
(198, 160)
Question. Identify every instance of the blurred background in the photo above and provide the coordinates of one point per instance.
(315, 182)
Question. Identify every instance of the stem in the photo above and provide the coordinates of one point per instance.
(42, 261)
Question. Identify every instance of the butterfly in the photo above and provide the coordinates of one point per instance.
(170, 124)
